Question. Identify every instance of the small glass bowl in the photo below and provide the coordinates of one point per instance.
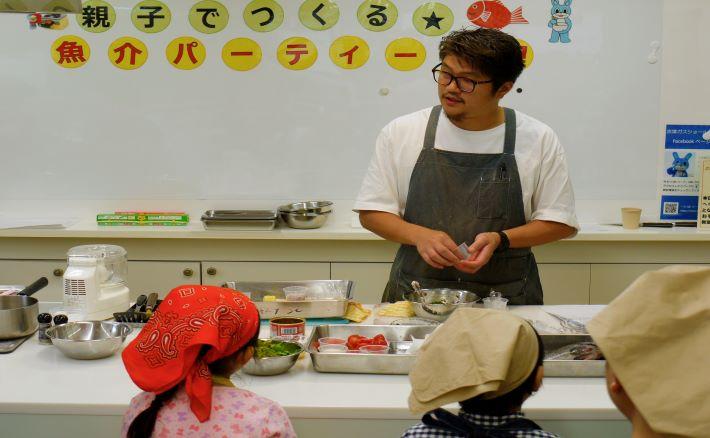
(495, 303)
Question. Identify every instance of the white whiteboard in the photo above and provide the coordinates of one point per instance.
(98, 132)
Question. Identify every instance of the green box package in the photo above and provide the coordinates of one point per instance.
(113, 219)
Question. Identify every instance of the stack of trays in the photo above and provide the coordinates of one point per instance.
(257, 220)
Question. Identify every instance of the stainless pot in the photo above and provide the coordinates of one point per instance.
(18, 313)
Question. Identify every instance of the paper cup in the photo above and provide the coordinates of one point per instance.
(631, 218)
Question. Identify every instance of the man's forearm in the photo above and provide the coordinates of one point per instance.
(394, 228)
(389, 226)
(537, 233)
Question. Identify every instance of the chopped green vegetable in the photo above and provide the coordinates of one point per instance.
(275, 348)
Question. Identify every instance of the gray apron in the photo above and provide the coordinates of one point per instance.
(463, 195)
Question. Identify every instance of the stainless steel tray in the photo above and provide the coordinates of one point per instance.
(397, 361)
(239, 215)
(320, 308)
(570, 368)
(257, 220)
(242, 225)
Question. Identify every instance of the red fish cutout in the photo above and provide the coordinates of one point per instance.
(493, 14)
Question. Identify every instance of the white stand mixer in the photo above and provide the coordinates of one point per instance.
(95, 282)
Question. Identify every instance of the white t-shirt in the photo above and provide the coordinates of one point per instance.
(547, 190)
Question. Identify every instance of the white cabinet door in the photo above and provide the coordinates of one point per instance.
(25, 272)
(217, 273)
(145, 277)
(565, 283)
(370, 279)
(609, 280)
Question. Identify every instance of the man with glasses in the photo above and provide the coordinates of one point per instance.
(468, 187)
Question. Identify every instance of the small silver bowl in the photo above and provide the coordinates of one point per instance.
(271, 366)
(89, 339)
(439, 304)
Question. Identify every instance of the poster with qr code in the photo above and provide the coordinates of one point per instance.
(704, 198)
(686, 147)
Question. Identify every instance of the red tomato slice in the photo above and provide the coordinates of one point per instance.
(353, 341)
(379, 340)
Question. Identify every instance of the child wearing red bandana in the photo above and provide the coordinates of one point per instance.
(182, 359)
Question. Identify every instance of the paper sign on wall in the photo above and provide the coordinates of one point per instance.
(704, 198)
(684, 150)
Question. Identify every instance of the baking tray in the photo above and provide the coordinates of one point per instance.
(239, 215)
(397, 361)
(570, 368)
(321, 308)
(257, 220)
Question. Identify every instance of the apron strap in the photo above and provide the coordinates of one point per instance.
(443, 419)
(430, 133)
(510, 125)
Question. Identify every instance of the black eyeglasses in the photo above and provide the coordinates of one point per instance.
(466, 85)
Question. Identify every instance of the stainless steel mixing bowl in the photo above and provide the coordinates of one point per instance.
(304, 220)
(89, 339)
(307, 207)
(306, 214)
(271, 366)
(438, 304)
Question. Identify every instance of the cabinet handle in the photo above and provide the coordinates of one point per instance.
(187, 272)
(58, 272)
(211, 271)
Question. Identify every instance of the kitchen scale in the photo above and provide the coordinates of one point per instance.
(10, 345)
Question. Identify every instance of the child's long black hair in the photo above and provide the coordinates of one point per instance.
(143, 425)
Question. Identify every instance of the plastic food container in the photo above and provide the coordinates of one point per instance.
(374, 349)
(332, 348)
(331, 341)
(295, 293)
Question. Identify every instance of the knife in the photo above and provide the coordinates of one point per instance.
(150, 305)
(650, 224)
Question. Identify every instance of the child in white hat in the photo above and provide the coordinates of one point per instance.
(490, 362)
(656, 340)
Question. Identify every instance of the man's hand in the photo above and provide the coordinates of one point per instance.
(481, 251)
(436, 248)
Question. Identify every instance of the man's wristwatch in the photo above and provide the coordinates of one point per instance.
(504, 244)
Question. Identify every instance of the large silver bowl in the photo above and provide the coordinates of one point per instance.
(307, 207)
(89, 339)
(304, 221)
(438, 304)
(271, 366)
(305, 215)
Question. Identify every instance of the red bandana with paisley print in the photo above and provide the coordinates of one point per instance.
(166, 352)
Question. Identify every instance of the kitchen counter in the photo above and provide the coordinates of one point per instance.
(38, 380)
(80, 217)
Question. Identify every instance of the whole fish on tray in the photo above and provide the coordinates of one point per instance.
(579, 351)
